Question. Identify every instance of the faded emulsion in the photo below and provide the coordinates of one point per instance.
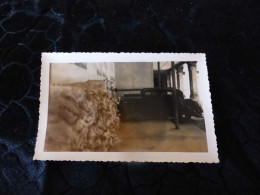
(125, 107)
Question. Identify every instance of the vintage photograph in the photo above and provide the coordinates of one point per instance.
(120, 107)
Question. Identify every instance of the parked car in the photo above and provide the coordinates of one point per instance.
(157, 104)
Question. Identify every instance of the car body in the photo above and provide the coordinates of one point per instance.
(157, 104)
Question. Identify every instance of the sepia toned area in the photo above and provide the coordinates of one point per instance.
(125, 107)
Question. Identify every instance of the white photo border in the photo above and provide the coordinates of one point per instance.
(203, 157)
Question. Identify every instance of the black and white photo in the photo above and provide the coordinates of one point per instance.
(128, 107)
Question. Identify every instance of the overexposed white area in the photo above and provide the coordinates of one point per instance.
(68, 58)
(66, 73)
(186, 84)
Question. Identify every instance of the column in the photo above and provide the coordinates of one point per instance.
(180, 74)
(159, 75)
(192, 67)
(169, 79)
(174, 94)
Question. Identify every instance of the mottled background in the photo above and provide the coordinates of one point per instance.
(227, 31)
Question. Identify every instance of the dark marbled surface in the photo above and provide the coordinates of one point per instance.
(227, 31)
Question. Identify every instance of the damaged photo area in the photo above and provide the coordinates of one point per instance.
(141, 106)
(119, 107)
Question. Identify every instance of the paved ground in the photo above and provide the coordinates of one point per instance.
(161, 136)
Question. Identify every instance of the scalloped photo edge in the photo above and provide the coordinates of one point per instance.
(210, 155)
